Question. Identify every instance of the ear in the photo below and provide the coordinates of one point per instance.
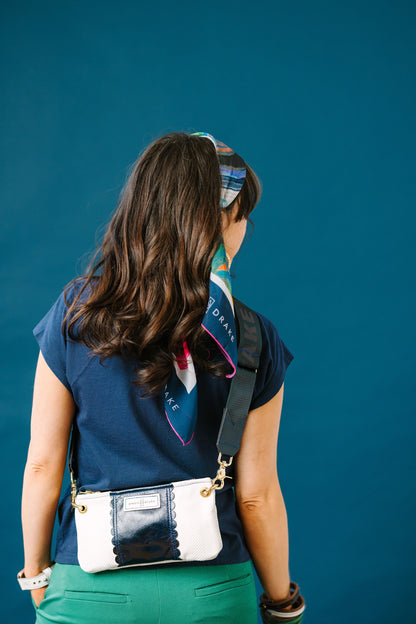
(228, 216)
(225, 220)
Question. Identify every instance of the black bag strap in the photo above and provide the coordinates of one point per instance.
(239, 398)
(242, 385)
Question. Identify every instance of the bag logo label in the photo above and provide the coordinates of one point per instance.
(137, 503)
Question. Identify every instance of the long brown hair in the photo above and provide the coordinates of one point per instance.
(155, 259)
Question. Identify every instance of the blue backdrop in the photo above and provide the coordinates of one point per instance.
(319, 98)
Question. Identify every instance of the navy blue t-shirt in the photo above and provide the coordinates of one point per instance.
(124, 440)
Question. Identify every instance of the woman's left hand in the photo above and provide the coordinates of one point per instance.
(38, 594)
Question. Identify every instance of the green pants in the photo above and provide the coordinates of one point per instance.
(208, 594)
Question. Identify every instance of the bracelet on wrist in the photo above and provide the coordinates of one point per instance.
(35, 582)
(268, 618)
(276, 610)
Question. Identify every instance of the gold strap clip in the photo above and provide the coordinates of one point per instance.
(81, 508)
(220, 477)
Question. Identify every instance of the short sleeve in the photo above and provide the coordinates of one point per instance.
(52, 343)
(274, 361)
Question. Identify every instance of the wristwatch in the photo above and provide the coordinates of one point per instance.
(41, 580)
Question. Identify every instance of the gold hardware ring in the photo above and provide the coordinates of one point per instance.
(220, 477)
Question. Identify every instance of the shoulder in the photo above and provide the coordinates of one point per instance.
(269, 333)
(272, 341)
(275, 358)
(268, 328)
(69, 292)
(73, 288)
(56, 313)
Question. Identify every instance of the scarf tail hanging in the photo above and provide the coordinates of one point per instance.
(181, 392)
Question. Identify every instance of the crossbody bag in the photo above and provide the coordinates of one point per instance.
(172, 522)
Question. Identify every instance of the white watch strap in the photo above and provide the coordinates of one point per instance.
(41, 580)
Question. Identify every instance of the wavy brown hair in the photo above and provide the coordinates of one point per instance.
(149, 288)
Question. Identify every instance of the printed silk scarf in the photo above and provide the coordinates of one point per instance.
(181, 392)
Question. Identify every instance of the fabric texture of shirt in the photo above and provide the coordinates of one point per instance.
(124, 440)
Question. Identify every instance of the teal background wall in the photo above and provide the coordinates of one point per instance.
(319, 98)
